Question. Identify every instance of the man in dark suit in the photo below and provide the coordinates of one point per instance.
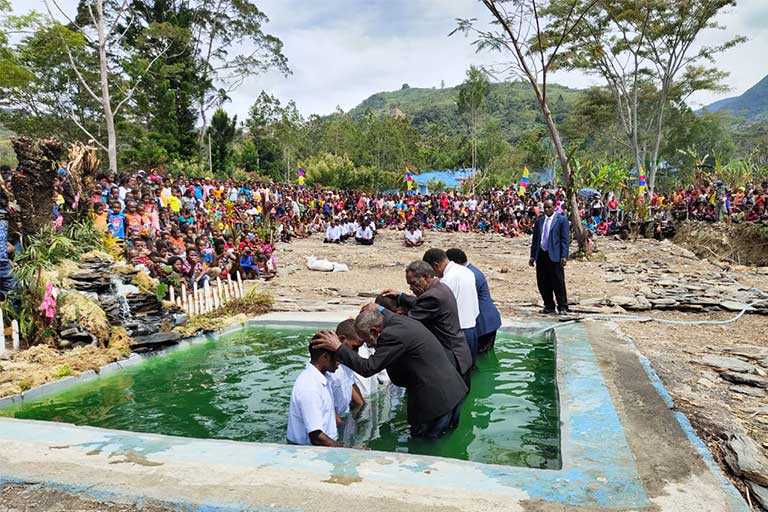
(414, 359)
(549, 253)
(434, 305)
(489, 319)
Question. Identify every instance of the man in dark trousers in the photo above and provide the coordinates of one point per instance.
(434, 305)
(549, 253)
(414, 359)
(489, 319)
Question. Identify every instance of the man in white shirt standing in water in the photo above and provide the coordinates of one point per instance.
(461, 281)
(311, 416)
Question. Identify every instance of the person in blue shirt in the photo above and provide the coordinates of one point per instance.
(248, 264)
(489, 319)
(116, 222)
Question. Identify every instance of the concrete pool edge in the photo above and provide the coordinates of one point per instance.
(684, 423)
(428, 474)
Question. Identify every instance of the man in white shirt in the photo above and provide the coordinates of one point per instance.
(345, 389)
(413, 236)
(364, 235)
(332, 233)
(311, 416)
(461, 281)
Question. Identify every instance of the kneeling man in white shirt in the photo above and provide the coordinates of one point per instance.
(311, 416)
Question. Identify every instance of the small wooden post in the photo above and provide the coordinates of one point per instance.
(184, 299)
(240, 285)
(225, 289)
(207, 297)
(195, 298)
(173, 295)
(15, 335)
(219, 291)
(2, 333)
(215, 298)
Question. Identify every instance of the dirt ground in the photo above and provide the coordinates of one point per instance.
(675, 351)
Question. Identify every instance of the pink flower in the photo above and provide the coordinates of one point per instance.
(48, 306)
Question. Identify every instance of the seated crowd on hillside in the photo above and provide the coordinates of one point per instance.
(189, 230)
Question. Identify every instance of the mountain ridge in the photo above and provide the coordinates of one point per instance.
(752, 105)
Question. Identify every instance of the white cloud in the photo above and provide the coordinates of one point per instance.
(342, 51)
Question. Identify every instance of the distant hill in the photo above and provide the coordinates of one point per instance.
(752, 105)
(512, 103)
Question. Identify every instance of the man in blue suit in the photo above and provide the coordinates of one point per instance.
(489, 319)
(549, 253)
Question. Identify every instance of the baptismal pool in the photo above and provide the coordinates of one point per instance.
(238, 387)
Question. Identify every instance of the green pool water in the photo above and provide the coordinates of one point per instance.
(239, 388)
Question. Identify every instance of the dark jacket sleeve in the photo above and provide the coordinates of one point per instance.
(387, 351)
(565, 237)
(406, 301)
(425, 308)
(536, 240)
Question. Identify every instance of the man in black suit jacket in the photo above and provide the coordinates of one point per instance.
(414, 359)
(434, 305)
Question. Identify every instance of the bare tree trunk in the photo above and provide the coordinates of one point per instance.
(474, 140)
(106, 102)
(654, 167)
(578, 229)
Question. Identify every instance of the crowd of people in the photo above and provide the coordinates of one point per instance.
(185, 230)
(425, 343)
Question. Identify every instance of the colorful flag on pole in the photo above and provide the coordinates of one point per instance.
(410, 183)
(643, 185)
(521, 190)
(300, 179)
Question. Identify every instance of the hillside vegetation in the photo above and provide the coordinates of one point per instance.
(511, 103)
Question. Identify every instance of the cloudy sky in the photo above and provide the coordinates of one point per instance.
(342, 51)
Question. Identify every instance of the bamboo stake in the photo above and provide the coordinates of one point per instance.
(2, 333)
(15, 335)
(195, 297)
(184, 299)
(173, 295)
(240, 285)
(215, 296)
(207, 297)
(225, 289)
(219, 291)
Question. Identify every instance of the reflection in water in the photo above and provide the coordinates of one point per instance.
(239, 388)
(510, 416)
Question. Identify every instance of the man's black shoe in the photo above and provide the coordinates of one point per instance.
(547, 311)
(564, 312)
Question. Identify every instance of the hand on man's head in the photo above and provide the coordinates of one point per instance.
(327, 340)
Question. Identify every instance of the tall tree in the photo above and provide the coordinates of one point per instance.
(166, 103)
(103, 19)
(644, 50)
(519, 32)
(221, 135)
(231, 45)
(473, 96)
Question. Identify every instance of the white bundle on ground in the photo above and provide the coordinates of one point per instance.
(323, 265)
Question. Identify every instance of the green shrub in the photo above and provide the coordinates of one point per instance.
(62, 371)
(25, 384)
